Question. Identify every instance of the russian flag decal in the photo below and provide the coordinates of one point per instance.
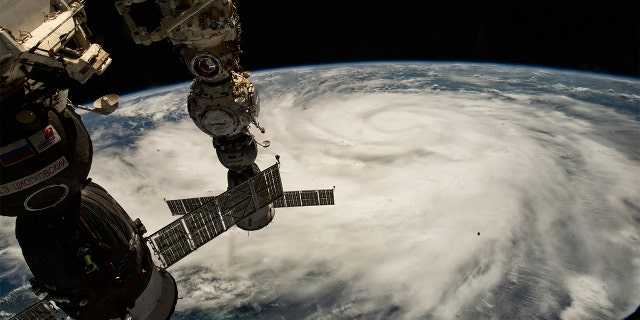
(15, 152)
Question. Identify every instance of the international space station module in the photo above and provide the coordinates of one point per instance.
(88, 257)
(85, 253)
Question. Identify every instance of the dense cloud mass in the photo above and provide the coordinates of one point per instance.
(470, 191)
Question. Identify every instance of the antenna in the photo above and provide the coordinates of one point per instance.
(104, 105)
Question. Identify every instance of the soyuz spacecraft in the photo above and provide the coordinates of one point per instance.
(87, 256)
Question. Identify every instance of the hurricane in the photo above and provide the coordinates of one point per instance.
(462, 191)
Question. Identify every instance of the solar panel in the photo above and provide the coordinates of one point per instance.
(292, 199)
(201, 227)
(326, 197)
(183, 206)
(309, 198)
(213, 215)
(236, 202)
(305, 198)
(279, 203)
(173, 242)
(42, 310)
(266, 187)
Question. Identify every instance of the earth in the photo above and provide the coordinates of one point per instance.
(463, 191)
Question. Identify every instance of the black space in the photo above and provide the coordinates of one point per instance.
(589, 36)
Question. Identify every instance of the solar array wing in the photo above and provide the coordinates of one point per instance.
(213, 216)
(41, 310)
(305, 198)
(184, 206)
(326, 197)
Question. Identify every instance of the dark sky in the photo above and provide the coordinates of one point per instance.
(600, 37)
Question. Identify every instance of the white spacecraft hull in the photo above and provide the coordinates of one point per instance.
(158, 300)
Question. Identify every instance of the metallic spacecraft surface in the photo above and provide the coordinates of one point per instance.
(88, 257)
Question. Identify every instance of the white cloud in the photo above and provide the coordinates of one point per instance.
(448, 203)
(417, 177)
